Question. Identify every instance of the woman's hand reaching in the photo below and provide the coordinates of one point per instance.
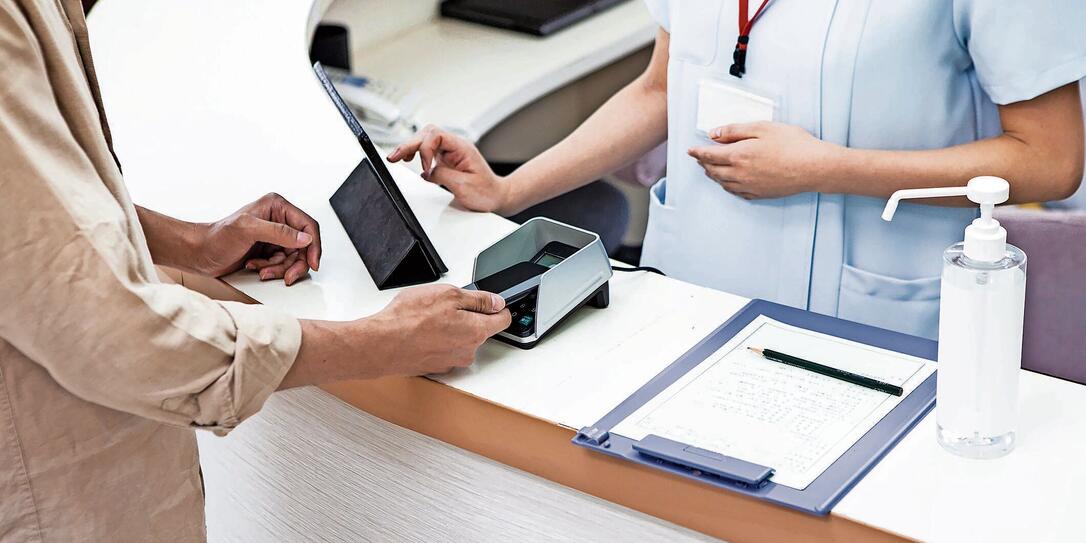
(456, 164)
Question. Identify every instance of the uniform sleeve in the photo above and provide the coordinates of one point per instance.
(1023, 49)
(659, 9)
(75, 298)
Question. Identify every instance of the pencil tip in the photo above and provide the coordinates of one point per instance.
(756, 349)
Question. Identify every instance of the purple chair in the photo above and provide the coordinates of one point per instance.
(1054, 340)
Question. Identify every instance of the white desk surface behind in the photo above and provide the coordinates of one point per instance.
(471, 77)
(198, 139)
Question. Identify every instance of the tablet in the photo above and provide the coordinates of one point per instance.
(381, 225)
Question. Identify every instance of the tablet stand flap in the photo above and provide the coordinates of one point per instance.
(377, 229)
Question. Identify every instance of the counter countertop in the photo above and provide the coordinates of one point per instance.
(213, 104)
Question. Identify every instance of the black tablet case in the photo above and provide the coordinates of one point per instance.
(380, 224)
(536, 17)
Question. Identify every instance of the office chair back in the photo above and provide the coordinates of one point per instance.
(1054, 341)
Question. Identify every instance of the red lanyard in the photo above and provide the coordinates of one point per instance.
(739, 57)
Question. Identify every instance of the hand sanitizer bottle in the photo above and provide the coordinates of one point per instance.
(980, 327)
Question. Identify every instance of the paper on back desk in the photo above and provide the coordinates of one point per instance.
(598, 357)
(791, 419)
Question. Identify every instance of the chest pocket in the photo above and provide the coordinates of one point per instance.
(695, 30)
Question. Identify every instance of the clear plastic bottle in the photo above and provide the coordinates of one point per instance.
(980, 352)
(980, 326)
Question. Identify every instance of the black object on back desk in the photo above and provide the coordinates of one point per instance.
(538, 17)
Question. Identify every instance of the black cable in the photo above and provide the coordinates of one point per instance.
(639, 268)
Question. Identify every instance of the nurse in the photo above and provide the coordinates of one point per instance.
(790, 121)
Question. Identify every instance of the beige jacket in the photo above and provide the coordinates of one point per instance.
(104, 371)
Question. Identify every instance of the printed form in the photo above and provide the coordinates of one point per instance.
(793, 420)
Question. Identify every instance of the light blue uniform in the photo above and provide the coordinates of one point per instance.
(879, 74)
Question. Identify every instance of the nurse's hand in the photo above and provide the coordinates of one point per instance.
(456, 164)
(765, 159)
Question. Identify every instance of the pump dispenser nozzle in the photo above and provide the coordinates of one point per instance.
(985, 239)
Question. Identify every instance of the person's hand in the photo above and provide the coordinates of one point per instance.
(425, 330)
(435, 328)
(765, 159)
(270, 236)
(456, 164)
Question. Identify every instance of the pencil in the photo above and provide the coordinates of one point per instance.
(842, 375)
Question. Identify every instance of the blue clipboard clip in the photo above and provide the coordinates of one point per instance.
(695, 460)
(703, 460)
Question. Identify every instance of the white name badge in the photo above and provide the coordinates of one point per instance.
(720, 103)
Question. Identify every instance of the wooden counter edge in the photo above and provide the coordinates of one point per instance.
(542, 448)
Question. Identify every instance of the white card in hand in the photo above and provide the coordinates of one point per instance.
(720, 104)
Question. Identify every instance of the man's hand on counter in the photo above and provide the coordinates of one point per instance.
(270, 236)
(428, 329)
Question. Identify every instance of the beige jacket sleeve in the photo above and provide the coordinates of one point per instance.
(78, 293)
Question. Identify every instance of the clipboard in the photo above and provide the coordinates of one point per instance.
(748, 478)
(383, 229)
